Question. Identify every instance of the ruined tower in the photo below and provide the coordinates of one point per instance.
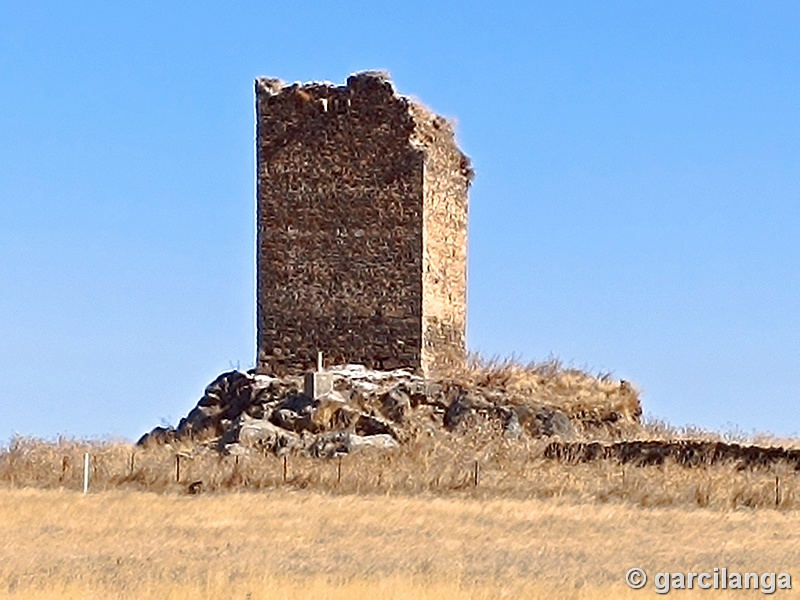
(362, 228)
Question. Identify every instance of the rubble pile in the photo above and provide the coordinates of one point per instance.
(691, 453)
(347, 408)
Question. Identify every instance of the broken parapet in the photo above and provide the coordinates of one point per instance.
(362, 228)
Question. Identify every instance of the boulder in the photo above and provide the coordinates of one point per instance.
(339, 443)
(512, 429)
(396, 404)
(159, 435)
(330, 445)
(541, 421)
(464, 405)
(556, 422)
(264, 435)
(381, 440)
(329, 411)
(371, 425)
(292, 421)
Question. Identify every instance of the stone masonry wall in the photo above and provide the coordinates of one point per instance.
(343, 186)
(444, 266)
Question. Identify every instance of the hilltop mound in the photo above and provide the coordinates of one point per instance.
(351, 407)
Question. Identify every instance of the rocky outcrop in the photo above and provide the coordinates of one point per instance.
(367, 409)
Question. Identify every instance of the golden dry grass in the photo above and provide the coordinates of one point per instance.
(410, 523)
(294, 543)
(576, 392)
(444, 467)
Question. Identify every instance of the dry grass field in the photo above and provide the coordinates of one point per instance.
(459, 466)
(418, 522)
(446, 515)
(297, 543)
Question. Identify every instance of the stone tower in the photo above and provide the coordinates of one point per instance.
(362, 228)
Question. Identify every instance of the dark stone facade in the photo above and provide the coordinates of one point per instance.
(362, 224)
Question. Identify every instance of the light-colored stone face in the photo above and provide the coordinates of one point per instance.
(362, 199)
(444, 271)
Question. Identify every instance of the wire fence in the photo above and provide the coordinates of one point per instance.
(500, 468)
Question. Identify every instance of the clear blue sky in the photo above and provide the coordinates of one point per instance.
(635, 207)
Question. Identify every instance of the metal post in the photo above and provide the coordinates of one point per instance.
(319, 361)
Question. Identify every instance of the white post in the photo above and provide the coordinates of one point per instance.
(86, 473)
(319, 362)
